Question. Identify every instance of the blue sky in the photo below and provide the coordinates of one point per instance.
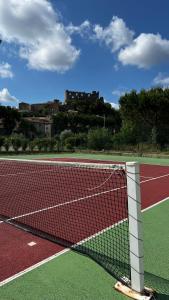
(112, 46)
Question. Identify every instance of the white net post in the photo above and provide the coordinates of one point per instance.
(135, 227)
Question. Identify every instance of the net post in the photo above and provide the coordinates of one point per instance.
(135, 227)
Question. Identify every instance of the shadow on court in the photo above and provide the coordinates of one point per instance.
(162, 297)
(161, 285)
(117, 268)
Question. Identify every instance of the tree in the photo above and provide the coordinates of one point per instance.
(70, 143)
(27, 129)
(39, 143)
(1, 141)
(7, 143)
(46, 144)
(60, 122)
(52, 144)
(64, 135)
(78, 140)
(10, 117)
(89, 106)
(81, 140)
(99, 139)
(58, 142)
(24, 143)
(32, 145)
(16, 142)
(148, 111)
(81, 121)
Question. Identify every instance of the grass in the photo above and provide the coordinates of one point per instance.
(119, 158)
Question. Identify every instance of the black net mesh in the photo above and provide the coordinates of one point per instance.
(81, 206)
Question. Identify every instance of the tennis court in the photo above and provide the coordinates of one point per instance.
(154, 189)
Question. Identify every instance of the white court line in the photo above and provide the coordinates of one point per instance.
(27, 173)
(62, 204)
(58, 254)
(155, 204)
(146, 176)
(79, 199)
(155, 178)
(44, 261)
(81, 242)
(54, 170)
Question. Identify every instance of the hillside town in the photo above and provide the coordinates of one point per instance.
(41, 115)
(85, 121)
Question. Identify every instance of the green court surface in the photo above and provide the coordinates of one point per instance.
(119, 158)
(156, 247)
(74, 276)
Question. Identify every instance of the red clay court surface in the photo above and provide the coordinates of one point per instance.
(16, 255)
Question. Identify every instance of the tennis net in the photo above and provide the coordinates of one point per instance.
(83, 206)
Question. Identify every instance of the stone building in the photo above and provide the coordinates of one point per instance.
(43, 125)
(71, 95)
(50, 107)
(24, 106)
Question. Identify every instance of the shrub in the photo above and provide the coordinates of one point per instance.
(70, 143)
(99, 139)
(7, 143)
(39, 143)
(16, 142)
(24, 144)
(32, 145)
(65, 134)
(81, 140)
(52, 144)
(45, 144)
(1, 141)
(76, 140)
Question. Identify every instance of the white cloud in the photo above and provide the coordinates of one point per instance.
(118, 92)
(161, 80)
(5, 71)
(54, 54)
(114, 105)
(7, 99)
(115, 35)
(43, 40)
(145, 51)
(46, 44)
(83, 29)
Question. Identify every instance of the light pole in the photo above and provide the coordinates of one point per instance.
(104, 120)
